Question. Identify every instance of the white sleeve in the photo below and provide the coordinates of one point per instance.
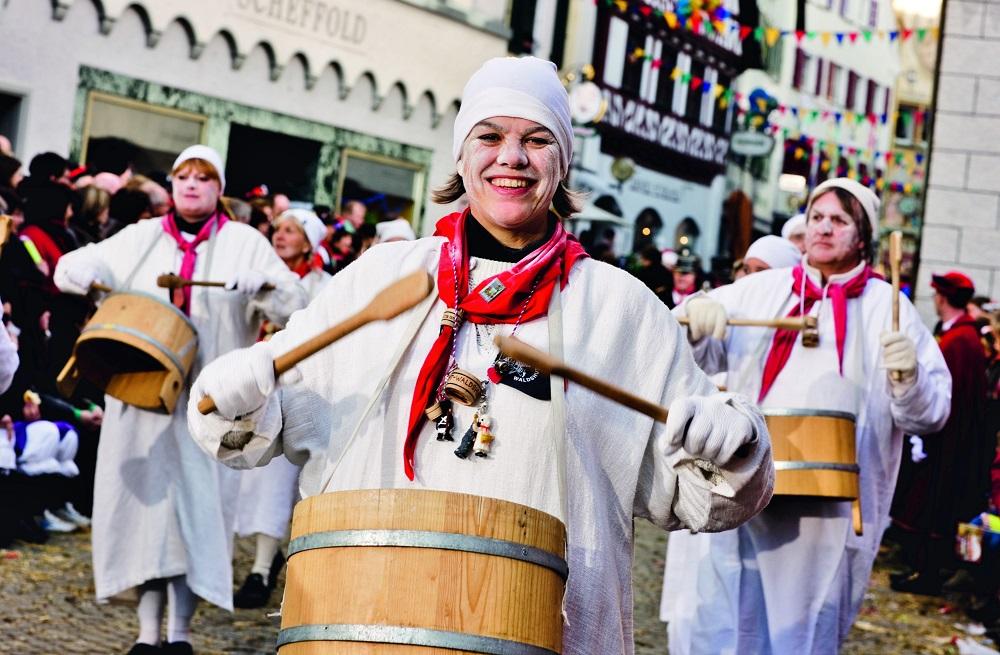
(925, 406)
(8, 360)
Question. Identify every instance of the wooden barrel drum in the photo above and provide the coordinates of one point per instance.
(420, 572)
(815, 455)
(137, 348)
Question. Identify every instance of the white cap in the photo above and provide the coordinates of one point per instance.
(525, 87)
(869, 201)
(669, 258)
(774, 251)
(792, 225)
(394, 230)
(310, 223)
(203, 152)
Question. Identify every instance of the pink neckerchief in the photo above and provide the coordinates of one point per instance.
(809, 292)
(182, 296)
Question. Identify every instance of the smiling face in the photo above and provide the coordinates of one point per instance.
(196, 190)
(833, 241)
(510, 168)
(290, 242)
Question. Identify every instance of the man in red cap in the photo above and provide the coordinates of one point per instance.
(944, 478)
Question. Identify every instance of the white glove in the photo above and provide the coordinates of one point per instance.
(707, 428)
(706, 317)
(240, 381)
(899, 354)
(82, 274)
(917, 453)
(248, 283)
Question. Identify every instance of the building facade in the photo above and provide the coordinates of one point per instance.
(656, 158)
(325, 100)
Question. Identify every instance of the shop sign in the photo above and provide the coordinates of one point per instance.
(317, 19)
(666, 130)
(752, 144)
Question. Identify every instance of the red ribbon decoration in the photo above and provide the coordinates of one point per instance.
(182, 296)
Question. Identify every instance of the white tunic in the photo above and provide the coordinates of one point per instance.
(161, 507)
(268, 493)
(613, 327)
(792, 579)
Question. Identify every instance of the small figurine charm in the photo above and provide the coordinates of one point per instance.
(483, 436)
(468, 439)
(444, 426)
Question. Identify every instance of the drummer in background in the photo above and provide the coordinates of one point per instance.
(163, 511)
(792, 579)
(512, 265)
(794, 230)
(267, 494)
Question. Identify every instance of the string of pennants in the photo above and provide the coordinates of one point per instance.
(800, 147)
(707, 17)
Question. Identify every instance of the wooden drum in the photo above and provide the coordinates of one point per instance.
(136, 348)
(419, 572)
(814, 453)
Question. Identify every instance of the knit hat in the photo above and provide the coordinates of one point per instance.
(203, 152)
(395, 230)
(792, 225)
(309, 222)
(774, 251)
(525, 87)
(869, 201)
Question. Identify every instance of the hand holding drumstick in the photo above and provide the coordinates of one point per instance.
(704, 427)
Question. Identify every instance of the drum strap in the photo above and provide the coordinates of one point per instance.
(419, 316)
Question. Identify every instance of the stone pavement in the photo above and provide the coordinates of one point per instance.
(47, 601)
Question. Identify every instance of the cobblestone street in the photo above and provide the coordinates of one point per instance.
(47, 592)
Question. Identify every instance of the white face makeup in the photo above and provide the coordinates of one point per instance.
(833, 241)
(196, 195)
(511, 170)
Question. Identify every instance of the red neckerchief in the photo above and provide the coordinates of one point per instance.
(308, 265)
(182, 296)
(784, 340)
(550, 261)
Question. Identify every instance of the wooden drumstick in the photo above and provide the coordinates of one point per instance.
(522, 352)
(895, 263)
(784, 323)
(97, 286)
(389, 303)
(172, 281)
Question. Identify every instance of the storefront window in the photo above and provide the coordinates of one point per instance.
(120, 132)
(389, 188)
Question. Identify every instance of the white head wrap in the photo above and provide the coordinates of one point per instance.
(525, 87)
(203, 152)
(774, 251)
(395, 230)
(869, 201)
(793, 225)
(309, 222)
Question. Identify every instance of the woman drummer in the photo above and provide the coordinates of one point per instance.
(163, 512)
(268, 493)
(512, 268)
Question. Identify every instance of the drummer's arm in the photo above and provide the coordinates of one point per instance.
(925, 406)
(90, 264)
(676, 491)
(288, 295)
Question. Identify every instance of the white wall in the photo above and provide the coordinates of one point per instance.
(961, 224)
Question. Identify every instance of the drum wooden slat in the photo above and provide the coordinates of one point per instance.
(136, 348)
(821, 439)
(430, 588)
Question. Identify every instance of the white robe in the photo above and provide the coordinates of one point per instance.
(161, 507)
(792, 579)
(613, 327)
(268, 493)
